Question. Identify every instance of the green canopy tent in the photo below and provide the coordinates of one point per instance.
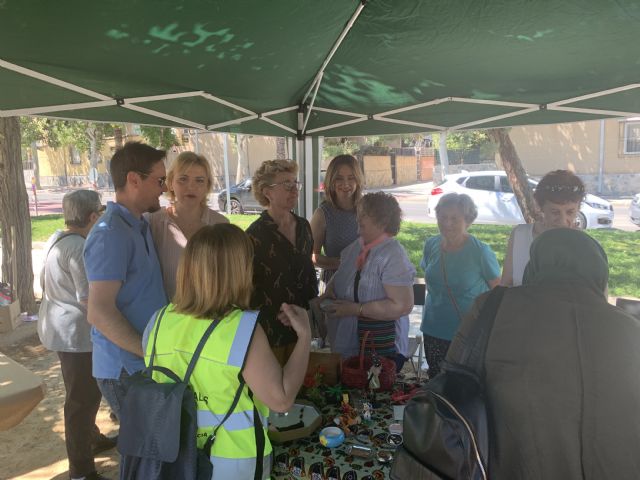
(306, 69)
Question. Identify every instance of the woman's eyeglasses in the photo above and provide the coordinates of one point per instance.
(162, 181)
(288, 185)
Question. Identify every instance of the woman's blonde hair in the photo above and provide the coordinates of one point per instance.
(266, 174)
(215, 273)
(181, 164)
(330, 178)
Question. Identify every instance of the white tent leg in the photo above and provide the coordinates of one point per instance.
(444, 157)
(308, 177)
(300, 160)
(226, 170)
(601, 158)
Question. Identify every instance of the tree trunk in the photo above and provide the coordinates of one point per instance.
(92, 134)
(36, 163)
(515, 173)
(117, 137)
(281, 150)
(14, 212)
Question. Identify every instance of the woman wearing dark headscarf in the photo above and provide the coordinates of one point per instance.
(562, 383)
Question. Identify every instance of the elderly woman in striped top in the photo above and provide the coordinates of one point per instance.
(372, 289)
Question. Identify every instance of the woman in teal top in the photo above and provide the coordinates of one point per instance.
(458, 267)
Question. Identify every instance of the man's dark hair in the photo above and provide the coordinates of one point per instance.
(133, 157)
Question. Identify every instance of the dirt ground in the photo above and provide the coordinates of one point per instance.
(34, 449)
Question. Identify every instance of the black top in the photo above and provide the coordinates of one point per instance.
(282, 272)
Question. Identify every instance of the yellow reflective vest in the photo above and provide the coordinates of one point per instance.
(214, 382)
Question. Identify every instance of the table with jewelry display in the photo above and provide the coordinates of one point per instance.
(366, 429)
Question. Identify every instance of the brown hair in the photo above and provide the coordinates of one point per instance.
(383, 209)
(266, 174)
(182, 163)
(133, 157)
(332, 171)
(215, 273)
(559, 186)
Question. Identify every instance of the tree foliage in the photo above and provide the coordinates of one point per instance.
(159, 137)
(338, 146)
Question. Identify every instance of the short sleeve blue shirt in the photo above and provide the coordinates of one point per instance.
(119, 247)
(468, 272)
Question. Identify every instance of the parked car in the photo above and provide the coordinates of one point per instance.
(634, 209)
(242, 199)
(497, 203)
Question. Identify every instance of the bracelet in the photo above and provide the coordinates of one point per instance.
(360, 309)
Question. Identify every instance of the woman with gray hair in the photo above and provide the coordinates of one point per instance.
(458, 267)
(372, 290)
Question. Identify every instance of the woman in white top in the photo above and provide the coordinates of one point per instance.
(558, 195)
(189, 181)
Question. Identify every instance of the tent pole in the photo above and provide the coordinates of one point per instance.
(318, 169)
(335, 47)
(300, 160)
(225, 143)
(444, 158)
(601, 158)
(309, 177)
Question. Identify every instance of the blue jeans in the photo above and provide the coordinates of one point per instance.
(113, 390)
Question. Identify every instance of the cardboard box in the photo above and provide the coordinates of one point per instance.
(9, 316)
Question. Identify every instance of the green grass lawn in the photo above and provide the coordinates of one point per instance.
(621, 247)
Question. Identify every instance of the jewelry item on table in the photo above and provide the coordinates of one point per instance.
(395, 428)
(297, 467)
(316, 471)
(350, 475)
(359, 451)
(394, 440)
(364, 435)
(380, 439)
(333, 473)
(282, 462)
(384, 456)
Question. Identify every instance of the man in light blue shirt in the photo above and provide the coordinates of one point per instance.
(125, 281)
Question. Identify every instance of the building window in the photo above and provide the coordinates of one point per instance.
(632, 138)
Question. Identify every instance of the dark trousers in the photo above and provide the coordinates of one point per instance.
(81, 405)
(435, 351)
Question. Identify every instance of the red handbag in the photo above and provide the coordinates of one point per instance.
(355, 370)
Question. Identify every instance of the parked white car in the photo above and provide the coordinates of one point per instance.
(496, 202)
(634, 209)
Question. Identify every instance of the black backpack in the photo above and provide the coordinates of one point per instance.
(158, 423)
(446, 431)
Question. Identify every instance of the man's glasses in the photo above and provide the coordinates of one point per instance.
(161, 180)
(288, 185)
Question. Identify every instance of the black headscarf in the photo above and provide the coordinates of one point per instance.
(564, 255)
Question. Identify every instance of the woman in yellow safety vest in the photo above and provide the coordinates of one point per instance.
(214, 280)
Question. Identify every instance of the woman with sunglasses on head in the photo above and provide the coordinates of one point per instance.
(559, 195)
(189, 182)
(282, 268)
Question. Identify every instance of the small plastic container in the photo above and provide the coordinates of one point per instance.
(331, 437)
